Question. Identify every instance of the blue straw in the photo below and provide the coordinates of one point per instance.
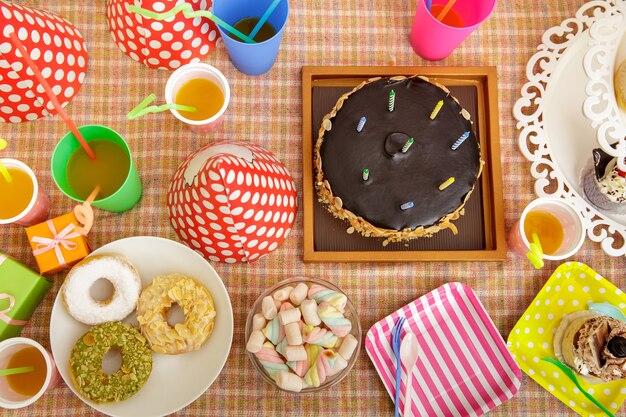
(264, 18)
(429, 3)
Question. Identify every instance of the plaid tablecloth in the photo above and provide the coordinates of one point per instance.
(266, 111)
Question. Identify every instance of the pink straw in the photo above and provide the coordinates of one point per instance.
(18, 44)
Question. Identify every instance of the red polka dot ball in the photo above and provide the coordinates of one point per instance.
(162, 44)
(232, 202)
(57, 48)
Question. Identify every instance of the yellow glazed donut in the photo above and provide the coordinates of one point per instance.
(194, 300)
(77, 285)
(86, 362)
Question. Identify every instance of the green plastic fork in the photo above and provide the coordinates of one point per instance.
(571, 375)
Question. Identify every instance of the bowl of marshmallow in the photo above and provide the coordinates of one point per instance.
(303, 335)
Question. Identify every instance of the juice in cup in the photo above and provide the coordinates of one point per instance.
(203, 94)
(451, 18)
(548, 228)
(23, 202)
(28, 383)
(247, 24)
(108, 170)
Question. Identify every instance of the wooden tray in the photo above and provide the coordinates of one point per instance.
(481, 230)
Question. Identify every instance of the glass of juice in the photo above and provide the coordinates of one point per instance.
(21, 390)
(433, 39)
(113, 169)
(203, 87)
(23, 200)
(252, 58)
(559, 226)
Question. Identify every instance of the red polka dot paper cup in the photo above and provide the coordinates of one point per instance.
(232, 202)
(190, 72)
(162, 44)
(58, 49)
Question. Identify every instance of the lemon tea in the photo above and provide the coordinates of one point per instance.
(203, 94)
(109, 170)
(246, 25)
(15, 194)
(548, 228)
(28, 383)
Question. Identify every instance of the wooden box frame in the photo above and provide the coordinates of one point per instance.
(485, 80)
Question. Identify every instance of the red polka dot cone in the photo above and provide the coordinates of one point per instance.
(162, 44)
(232, 202)
(57, 48)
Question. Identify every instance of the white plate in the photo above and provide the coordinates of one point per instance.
(176, 380)
(554, 133)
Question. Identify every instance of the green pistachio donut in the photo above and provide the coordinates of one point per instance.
(86, 362)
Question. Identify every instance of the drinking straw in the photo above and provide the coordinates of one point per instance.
(84, 212)
(429, 3)
(189, 12)
(57, 106)
(535, 256)
(265, 16)
(446, 9)
(3, 169)
(13, 371)
(142, 110)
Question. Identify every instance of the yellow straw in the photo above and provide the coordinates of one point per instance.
(3, 169)
(535, 256)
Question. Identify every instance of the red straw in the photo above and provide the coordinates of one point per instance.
(18, 44)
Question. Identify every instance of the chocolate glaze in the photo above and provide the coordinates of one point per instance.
(396, 178)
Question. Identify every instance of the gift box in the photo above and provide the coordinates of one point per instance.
(58, 49)
(232, 202)
(21, 291)
(162, 44)
(57, 244)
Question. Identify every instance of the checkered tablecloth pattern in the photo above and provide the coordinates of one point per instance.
(266, 111)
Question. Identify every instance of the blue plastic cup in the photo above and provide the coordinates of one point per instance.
(252, 58)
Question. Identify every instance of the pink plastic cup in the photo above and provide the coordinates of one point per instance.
(434, 40)
(38, 208)
(187, 73)
(12, 399)
(573, 225)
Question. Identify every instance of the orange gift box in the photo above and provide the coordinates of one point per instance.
(57, 244)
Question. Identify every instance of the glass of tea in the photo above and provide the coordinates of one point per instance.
(559, 227)
(201, 86)
(113, 169)
(23, 389)
(252, 58)
(23, 200)
(435, 39)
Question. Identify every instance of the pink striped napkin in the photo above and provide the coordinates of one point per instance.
(464, 367)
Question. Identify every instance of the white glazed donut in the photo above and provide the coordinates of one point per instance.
(77, 285)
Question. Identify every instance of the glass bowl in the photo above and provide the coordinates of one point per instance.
(350, 313)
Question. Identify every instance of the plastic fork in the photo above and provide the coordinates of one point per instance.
(395, 344)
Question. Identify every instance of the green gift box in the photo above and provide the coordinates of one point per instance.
(21, 291)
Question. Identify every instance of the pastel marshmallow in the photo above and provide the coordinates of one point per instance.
(293, 334)
(348, 345)
(318, 372)
(289, 382)
(298, 294)
(337, 365)
(299, 367)
(309, 312)
(274, 331)
(255, 342)
(334, 319)
(289, 316)
(319, 336)
(271, 360)
(322, 294)
(268, 308)
(282, 294)
(285, 305)
(295, 353)
(258, 321)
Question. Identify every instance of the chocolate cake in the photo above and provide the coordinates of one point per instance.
(397, 165)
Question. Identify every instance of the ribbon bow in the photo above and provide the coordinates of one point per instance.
(3, 313)
(59, 240)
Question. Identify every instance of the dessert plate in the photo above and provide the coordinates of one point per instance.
(176, 380)
(555, 135)
(570, 288)
(464, 367)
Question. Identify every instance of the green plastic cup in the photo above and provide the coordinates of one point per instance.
(129, 192)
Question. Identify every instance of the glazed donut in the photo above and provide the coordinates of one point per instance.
(115, 269)
(86, 362)
(194, 300)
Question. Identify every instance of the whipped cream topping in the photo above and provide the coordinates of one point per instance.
(612, 184)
